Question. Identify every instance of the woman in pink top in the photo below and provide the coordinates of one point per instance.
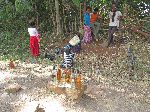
(34, 39)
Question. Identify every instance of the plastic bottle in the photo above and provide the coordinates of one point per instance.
(78, 80)
(59, 73)
(67, 76)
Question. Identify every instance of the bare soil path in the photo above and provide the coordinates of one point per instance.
(108, 95)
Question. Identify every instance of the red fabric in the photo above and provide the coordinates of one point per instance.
(34, 45)
(93, 18)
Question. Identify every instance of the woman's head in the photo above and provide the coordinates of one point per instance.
(32, 24)
(88, 9)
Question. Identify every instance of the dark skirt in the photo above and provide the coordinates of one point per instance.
(77, 48)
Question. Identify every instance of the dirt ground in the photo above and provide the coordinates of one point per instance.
(108, 95)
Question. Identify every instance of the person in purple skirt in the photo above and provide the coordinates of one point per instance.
(87, 30)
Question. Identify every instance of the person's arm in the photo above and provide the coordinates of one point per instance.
(85, 19)
(28, 30)
(109, 17)
(98, 16)
(37, 35)
(120, 15)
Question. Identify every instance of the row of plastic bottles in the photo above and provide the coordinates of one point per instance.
(68, 75)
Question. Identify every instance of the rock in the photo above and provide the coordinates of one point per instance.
(13, 88)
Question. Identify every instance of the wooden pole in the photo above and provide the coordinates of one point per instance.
(75, 23)
(84, 10)
(81, 15)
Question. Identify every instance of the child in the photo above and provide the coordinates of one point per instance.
(77, 47)
(34, 39)
(87, 30)
(68, 56)
(95, 25)
(114, 16)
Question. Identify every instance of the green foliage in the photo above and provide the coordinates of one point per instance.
(77, 2)
(147, 24)
(6, 12)
(14, 16)
(22, 6)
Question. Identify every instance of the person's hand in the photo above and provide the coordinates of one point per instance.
(38, 35)
(98, 17)
(119, 18)
(38, 39)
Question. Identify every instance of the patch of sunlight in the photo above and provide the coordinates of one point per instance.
(6, 76)
(30, 106)
(48, 104)
(53, 105)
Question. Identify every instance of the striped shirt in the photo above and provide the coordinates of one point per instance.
(68, 59)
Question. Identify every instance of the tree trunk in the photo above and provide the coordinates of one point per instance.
(116, 2)
(75, 23)
(84, 6)
(59, 29)
(81, 16)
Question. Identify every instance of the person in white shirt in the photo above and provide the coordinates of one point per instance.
(114, 16)
(34, 39)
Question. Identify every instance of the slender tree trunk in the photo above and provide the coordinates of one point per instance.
(116, 2)
(81, 15)
(59, 29)
(72, 29)
(53, 20)
(75, 23)
(84, 6)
